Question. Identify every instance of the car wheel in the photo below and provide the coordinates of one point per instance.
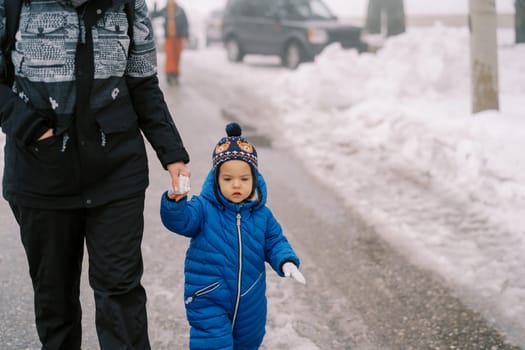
(293, 55)
(233, 50)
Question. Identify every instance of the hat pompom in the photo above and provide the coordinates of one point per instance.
(233, 129)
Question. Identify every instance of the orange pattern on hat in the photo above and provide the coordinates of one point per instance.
(245, 146)
(222, 147)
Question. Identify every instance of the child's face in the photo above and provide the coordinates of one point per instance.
(235, 180)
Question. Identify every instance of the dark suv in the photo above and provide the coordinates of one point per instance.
(295, 30)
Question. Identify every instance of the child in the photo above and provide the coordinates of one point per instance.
(233, 234)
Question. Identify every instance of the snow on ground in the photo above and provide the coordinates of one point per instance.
(408, 107)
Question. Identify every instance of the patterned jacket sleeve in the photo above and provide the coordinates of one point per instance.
(2, 40)
(148, 100)
(26, 125)
(4, 90)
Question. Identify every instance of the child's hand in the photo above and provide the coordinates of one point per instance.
(290, 270)
(176, 196)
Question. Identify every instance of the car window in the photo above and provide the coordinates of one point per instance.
(247, 8)
(267, 8)
(254, 8)
(234, 7)
(307, 10)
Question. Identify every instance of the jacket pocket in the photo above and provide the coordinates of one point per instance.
(118, 116)
(45, 167)
(257, 283)
(201, 292)
(117, 147)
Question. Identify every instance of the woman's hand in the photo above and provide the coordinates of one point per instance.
(176, 169)
(46, 135)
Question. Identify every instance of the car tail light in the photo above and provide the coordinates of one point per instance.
(317, 36)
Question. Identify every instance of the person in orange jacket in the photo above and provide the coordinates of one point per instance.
(176, 31)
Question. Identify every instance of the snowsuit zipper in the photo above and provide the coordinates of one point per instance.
(239, 271)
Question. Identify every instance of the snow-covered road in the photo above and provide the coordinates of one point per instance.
(343, 204)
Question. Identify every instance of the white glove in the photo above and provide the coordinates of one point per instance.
(290, 270)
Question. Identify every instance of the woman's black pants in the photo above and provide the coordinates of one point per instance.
(54, 245)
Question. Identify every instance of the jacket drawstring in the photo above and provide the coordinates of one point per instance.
(102, 139)
(65, 139)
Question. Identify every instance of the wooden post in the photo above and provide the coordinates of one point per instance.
(483, 55)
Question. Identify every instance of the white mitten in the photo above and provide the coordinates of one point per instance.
(290, 270)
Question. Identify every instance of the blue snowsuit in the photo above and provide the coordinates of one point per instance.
(225, 279)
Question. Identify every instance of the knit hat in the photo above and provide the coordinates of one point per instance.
(234, 147)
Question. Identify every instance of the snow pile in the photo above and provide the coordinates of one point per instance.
(412, 99)
(408, 108)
